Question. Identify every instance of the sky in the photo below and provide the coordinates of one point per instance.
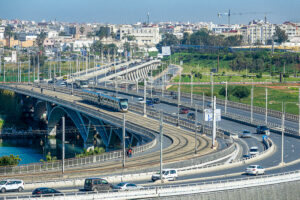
(131, 11)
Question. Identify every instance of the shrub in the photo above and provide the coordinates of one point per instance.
(9, 160)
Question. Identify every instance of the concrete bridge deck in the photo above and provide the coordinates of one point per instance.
(182, 147)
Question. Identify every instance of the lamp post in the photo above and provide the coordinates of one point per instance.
(145, 98)
(196, 124)
(226, 96)
(178, 100)
(282, 133)
(191, 88)
(266, 113)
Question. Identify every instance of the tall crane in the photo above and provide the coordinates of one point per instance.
(228, 14)
(225, 14)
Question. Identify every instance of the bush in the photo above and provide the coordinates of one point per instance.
(9, 160)
(230, 90)
(259, 75)
(241, 92)
(286, 75)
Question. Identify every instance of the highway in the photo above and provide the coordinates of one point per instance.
(271, 163)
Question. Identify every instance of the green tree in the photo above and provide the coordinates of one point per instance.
(280, 35)
(40, 39)
(241, 92)
(168, 40)
(103, 32)
(230, 90)
(81, 30)
(9, 160)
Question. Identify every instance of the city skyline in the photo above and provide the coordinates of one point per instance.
(131, 11)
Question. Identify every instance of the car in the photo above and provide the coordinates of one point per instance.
(255, 170)
(183, 111)
(156, 100)
(167, 174)
(63, 83)
(263, 130)
(140, 99)
(11, 185)
(97, 184)
(44, 191)
(149, 103)
(209, 105)
(246, 156)
(254, 151)
(191, 116)
(245, 134)
(127, 186)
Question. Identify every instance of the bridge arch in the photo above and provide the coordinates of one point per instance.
(58, 112)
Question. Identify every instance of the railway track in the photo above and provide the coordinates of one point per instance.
(182, 147)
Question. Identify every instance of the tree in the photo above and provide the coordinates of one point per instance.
(186, 38)
(168, 40)
(40, 39)
(230, 90)
(280, 35)
(201, 37)
(103, 32)
(81, 30)
(241, 92)
(8, 33)
(9, 160)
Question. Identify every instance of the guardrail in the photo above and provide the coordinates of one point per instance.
(74, 162)
(230, 116)
(183, 189)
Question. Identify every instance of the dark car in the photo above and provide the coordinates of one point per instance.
(263, 130)
(43, 191)
(97, 184)
(191, 116)
(183, 111)
(156, 100)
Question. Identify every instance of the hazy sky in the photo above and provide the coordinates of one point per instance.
(130, 11)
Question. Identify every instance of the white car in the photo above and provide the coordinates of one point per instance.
(11, 185)
(167, 174)
(253, 151)
(141, 100)
(127, 186)
(255, 170)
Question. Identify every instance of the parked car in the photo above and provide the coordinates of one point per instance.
(127, 186)
(168, 174)
(263, 130)
(97, 184)
(255, 170)
(183, 111)
(11, 185)
(254, 151)
(191, 116)
(245, 134)
(140, 99)
(44, 191)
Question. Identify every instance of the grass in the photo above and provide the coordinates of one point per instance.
(275, 96)
(1, 123)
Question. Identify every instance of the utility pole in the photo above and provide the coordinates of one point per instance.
(196, 124)
(299, 111)
(161, 143)
(252, 90)
(145, 98)
(203, 113)
(212, 87)
(266, 114)
(29, 70)
(63, 145)
(191, 89)
(282, 133)
(124, 142)
(226, 96)
(38, 75)
(214, 123)
(4, 80)
(137, 86)
(178, 100)
(86, 65)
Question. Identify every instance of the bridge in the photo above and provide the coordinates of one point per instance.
(226, 176)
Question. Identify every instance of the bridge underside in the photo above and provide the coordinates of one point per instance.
(92, 132)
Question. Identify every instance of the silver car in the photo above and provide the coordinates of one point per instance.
(255, 170)
(127, 186)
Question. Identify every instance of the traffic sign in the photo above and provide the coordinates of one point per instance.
(209, 115)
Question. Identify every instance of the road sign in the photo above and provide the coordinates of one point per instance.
(166, 51)
(181, 63)
(209, 115)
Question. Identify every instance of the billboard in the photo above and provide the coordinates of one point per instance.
(209, 115)
(166, 51)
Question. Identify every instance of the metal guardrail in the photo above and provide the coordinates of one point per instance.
(230, 116)
(74, 162)
(172, 190)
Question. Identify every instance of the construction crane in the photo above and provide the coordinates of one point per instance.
(228, 14)
(225, 14)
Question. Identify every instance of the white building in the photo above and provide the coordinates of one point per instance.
(143, 36)
(82, 44)
(258, 33)
(52, 34)
(2, 30)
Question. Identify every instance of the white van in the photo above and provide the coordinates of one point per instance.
(167, 174)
